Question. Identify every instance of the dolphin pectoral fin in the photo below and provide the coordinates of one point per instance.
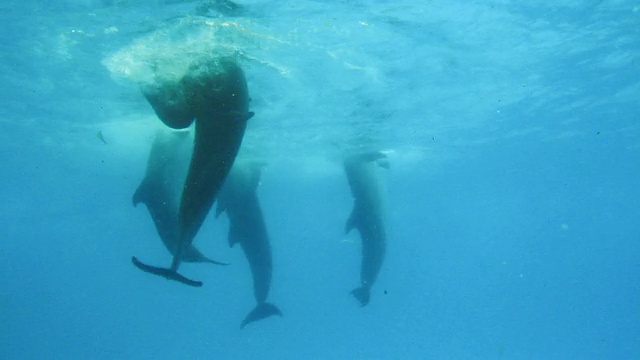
(219, 209)
(352, 221)
(165, 273)
(215, 262)
(205, 259)
(194, 255)
(140, 195)
(362, 294)
(234, 236)
(261, 311)
(235, 115)
(246, 116)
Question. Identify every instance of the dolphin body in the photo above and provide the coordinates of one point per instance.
(367, 217)
(239, 200)
(161, 187)
(215, 94)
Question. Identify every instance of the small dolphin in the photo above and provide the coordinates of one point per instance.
(239, 200)
(161, 187)
(215, 94)
(367, 217)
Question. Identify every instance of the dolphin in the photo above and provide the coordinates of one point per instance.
(161, 187)
(214, 95)
(239, 200)
(367, 217)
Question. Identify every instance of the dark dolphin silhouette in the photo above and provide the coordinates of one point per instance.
(215, 94)
(239, 200)
(162, 185)
(367, 217)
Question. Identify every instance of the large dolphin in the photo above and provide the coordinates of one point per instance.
(367, 216)
(162, 185)
(239, 200)
(215, 94)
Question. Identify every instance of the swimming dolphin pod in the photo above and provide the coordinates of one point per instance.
(215, 94)
(239, 200)
(162, 185)
(367, 217)
(179, 194)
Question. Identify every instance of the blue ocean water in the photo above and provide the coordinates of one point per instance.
(513, 206)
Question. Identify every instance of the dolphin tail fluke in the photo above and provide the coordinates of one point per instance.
(362, 294)
(165, 273)
(261, 311)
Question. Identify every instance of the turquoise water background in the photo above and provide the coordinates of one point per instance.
(513, 134)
